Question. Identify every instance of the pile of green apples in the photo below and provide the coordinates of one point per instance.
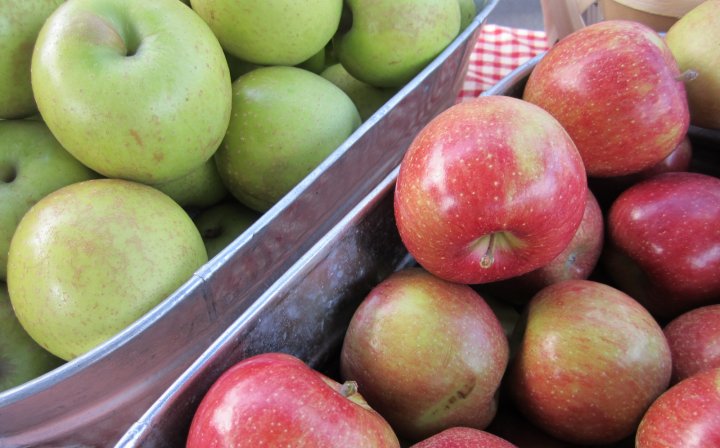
(138, 138)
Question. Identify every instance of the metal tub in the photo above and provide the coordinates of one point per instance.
(93, 399)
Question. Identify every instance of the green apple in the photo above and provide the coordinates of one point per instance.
(271, 32)
(316, 63)
(366, 98)
(199, 189)
(32, 165)
(91, 258)
(21, 358)
(390, 41)
(20, 22)
(220, 224)
(468, 11)
(134, 89)
(693, 41)
(285, 121)
(238, 67)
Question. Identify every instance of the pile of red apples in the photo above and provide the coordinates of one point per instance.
(567, 287)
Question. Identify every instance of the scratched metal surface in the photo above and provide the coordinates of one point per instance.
(94, 399)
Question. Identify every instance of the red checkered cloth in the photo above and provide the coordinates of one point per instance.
(498, 51)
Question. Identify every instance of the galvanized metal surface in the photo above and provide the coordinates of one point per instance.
(92, 400)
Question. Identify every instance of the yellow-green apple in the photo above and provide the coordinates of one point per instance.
(21, 22)
(21, 358)
(366, 98)
(590, 362)
(390, 41)
(694, 339)
(32, 164)
(275, 399)
(200, 188)
(693, 40)
(685, 416)
(427, 354)
(285, 121)
(615, 88)
(271, 32)
(90, 258)
(468, 11)
(489, 189)
(576, 262)
(461, 437)
(220, 224)
(665, 242)
(133, 89)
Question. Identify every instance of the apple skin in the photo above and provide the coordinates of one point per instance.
(459, 437)
(133, 89)
(590, 362)
(468, 11)
(271, 32)
(685, 416)
(612, 85)
(694, 339)
(368, 99)
(285, 121)
(220, 224)
(21, 358)
(427, 354)
(289, 404)
(494, 171)
(391, 41)
(665, 242)
(92, 257)
(22, 20)
(32, 165)
(693, 42)
(201, 188)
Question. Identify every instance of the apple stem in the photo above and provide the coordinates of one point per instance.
(687, 75)
(488, 258)
(348, 388)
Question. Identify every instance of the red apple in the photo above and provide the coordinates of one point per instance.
(427, 354)
(664, 236)
(460, 437)
(686, 416)
(515, 428)
(490, 189)
(590, 363)
(275, 399)
(694, 339)
(615, 87)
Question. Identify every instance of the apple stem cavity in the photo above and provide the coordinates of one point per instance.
(7, 173)
(488, 258)
(348, 388)
(687, 75)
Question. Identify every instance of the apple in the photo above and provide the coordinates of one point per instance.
(134, 89)
(686, 416)
(201, 188)
(285, 121)
(693, 42)
(694, 339)
(459, 437)
(21, 21)
(275, 399)
(614, 86)
(490, 189)
(391, 41)
(576, 262)
(607, 189)
(512, 426)
(468, 11)
(21, 358)
(32, 164)
(220, 224)
(665, 242)
(366, 98)
(271, 32)
(590, 362)
(427, 354)
(92, 257)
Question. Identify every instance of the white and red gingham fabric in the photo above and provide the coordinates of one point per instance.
(497, 52)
